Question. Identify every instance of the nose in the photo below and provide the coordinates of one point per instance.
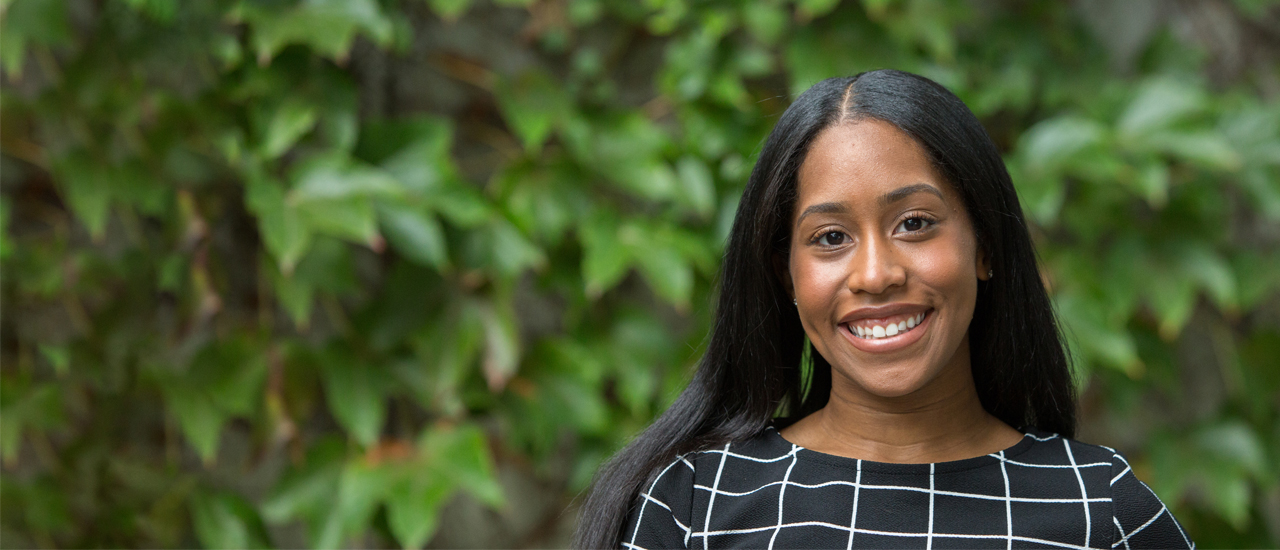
(875, 268)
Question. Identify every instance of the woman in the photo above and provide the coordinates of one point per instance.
(880, 225)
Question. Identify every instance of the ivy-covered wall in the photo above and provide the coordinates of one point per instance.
(339, 273)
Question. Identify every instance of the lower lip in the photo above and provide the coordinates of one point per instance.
(890, 343)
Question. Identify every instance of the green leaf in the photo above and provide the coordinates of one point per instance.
(502, 343)
(199, 419)
(449, 10)
(289, 122)
(57, 356)
(42, 22)
(1049, 144)
(225, 520)
(533, 104)
(669, 275)
(414, 232)
(334, 177)
(462, 453)
(413, 507)
(296, 296)
(605, 260)
(326, 26)
(697, 186)
(352, 219)
(360, 489)
(1160, 103)
(307, 491)
(283, 230)
(87, 186)
(354, 392)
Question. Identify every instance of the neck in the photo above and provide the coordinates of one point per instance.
(937, 424)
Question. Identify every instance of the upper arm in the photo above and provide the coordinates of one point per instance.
(660, 515)
(1140, 519)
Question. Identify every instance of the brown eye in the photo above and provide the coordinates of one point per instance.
(912, 225)
(832, 238)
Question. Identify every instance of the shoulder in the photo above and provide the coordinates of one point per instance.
(1141, 519)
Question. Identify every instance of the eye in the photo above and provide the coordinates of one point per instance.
(914, 224)
(832, 238)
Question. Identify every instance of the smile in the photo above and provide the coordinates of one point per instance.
(874, 329)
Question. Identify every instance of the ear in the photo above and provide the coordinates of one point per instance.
(982, 265)
(782, 268)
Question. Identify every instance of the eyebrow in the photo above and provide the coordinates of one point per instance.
(904, 192)
(886, 199)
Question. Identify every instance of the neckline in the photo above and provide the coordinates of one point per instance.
(1029, 439)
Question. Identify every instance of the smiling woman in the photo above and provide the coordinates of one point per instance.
(936, 406)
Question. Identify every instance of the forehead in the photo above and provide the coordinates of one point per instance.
(857, 162)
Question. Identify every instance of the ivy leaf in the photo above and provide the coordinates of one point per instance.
(449, 10)
(697, 186)
(354, 392)
(328, 27)
(283, 230)
(502, 343)
(1159, 103)
(289, 121)
(533, 104)
(415, 233)
(88, 191)
(462, 453)
(224, 520)
(1050, 144)
(199, 419)
(413, 507)
(360, 489)
(307, 491)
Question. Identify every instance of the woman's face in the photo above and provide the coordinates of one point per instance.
(884, 263)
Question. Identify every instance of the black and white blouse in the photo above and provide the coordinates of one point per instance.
(1044, 492)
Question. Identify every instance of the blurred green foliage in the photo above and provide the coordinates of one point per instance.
(249, 301)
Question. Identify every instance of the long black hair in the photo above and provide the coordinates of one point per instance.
(752, 370)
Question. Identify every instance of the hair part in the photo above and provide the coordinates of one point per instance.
(752, 374)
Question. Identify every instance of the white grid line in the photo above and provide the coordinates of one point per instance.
(1008, 504)
(1123, 538)
(853, 523)
(884, 533)
(1126, 538)
(929, 541)
(707, 525)
(636, 533)
(979, 496)
(1084, 495)
(782, 492)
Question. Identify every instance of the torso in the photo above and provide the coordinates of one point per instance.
(767, 492)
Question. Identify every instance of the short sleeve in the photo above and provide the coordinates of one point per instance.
(1141, 520)
(659, 517)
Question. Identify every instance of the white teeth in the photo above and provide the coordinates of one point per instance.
(891, 329)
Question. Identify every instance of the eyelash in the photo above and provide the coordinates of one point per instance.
(930, 220)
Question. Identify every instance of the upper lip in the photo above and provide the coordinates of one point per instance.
(880, 312)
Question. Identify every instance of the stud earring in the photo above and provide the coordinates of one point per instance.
(991, 273)
(795, 303)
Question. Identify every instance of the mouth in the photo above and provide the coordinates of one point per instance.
(886, 327)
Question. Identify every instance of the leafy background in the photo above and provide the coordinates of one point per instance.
(401, 273)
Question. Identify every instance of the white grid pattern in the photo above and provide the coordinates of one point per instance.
(741, 482)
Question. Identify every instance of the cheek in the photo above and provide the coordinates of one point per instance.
(948, 267)
(814, 281)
